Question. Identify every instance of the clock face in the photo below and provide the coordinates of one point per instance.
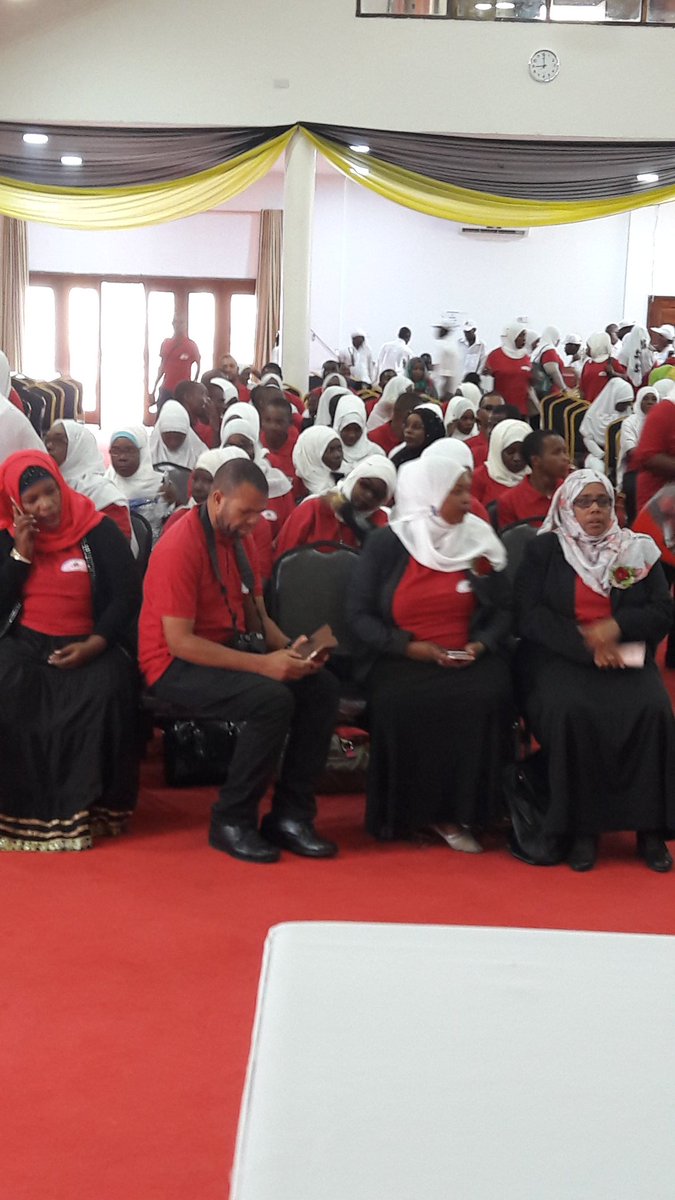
(544, 65)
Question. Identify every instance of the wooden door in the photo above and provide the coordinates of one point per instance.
(660, 311)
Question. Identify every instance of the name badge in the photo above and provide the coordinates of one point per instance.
(269, 514)
(464, 586)
(74, 564)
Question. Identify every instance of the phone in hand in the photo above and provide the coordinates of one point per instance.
(319, 645)
(459, 655)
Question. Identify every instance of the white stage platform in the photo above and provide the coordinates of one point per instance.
(404, 1062)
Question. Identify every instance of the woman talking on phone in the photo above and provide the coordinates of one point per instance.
(430, 607)
(69, 593)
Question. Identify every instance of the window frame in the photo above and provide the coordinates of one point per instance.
(640, 22)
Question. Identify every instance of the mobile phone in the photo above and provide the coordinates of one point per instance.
(459, 655)
(320, 643)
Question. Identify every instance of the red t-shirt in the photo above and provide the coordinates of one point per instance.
(57, 596)
(521, 503)
(119, 513)
(594, 378)
(15, 399)
(314, 521)
(511, 376)
(207, 434)
(590, 606)
(180, 582)
(435, 606)
(479, 446)
(657, 437)
(484, 487)
(178, 356)
(383, 436)
(261, 537)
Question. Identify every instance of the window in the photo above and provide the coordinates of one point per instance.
(107, 333)
(622, 12)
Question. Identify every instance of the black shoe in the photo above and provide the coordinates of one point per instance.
(653, 849)
(242, 841)
(583, 854)
(300, 837)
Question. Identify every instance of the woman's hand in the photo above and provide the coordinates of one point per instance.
(428, 652)
(608, 657)
(168, 492)
(25, 528)
(600, 634)
(78, 654)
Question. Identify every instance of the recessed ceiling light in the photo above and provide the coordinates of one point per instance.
(35, 139)
(360, 149)
(505, 4)
(647, 177)
(482, 7)
(71, 160)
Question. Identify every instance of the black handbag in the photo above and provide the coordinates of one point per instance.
(198, 753)
(347, 763)
(526, 793)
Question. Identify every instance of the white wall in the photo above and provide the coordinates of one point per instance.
(216, 62)
(380, 265)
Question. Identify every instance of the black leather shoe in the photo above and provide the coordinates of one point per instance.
(242, 841)
(656, 854)
(583, 854)
(300, 837)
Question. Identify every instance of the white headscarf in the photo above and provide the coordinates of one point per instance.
(5, 376)
(16, 431)
(599, 347)
(631, 430)
(272, 380)
(455, 410)
(452, 450)
(429, 539)
(212, 460)
(323, 411)
(146, 482)
(664, 388)
(635, 354)
(509, 337)
(603, 411)
(352, 411)
(174, 419)
(376, 466)
(595, 558)
(550, 339)
(384, 409)
(504, 435)
(308, 454)
(471, 391)
(243, 418)
(230, 392)
(83, 467)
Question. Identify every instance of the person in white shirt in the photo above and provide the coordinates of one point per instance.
(360, 359)
(662, 343)
(395, 355)
(447, 372)
(472, 352)
(573, 344)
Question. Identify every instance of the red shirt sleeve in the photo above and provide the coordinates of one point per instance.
(480, 479)
(119, 513)
(658, 435)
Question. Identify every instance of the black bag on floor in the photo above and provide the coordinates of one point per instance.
(526, 792)
(198, 753)
(347, 763)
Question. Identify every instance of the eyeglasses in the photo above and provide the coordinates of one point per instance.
(589, 501)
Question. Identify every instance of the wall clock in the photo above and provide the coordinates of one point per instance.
(544, 65)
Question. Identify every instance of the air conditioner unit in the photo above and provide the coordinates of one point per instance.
(487, 232)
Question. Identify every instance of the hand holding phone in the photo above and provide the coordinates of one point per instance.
(317, 648)
(25, 528)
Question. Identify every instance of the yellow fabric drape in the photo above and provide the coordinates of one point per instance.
(13, 284)
(132, 207)
(438, 199)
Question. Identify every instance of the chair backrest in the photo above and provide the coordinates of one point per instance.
(576, 447)
(143, 533)
(516, 540)
(309, 588)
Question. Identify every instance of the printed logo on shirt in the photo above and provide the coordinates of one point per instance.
(269, 514)
(74, 564)
(463, 586)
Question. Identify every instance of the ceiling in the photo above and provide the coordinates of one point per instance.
(19, 18)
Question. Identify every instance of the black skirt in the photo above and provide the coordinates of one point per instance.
(69, 745)
(439, 741)
(609, 740)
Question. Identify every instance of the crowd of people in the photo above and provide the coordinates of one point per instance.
(424, 474)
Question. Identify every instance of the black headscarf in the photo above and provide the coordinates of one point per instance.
(433, 428)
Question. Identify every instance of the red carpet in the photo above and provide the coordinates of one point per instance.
(130, 974)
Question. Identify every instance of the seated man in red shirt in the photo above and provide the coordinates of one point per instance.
(195, 399)
(201, 591)
(177, 356)
(545, 453)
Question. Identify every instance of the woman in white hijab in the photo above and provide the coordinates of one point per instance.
(346, 514)
(75, 451)
(329, 399)
(505, 466)
(429, 605)
(615, 401)
(173, 439)
(548, 356)
(631, 429)
(317, 459)
(471, 391)
(350, 425)
(241, 427)
(132, 472)
(507, 369)
(636, 356)
(593, 605)
(383, 411)
(16, 431)
(460, 418)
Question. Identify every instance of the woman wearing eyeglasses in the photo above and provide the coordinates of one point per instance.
(593, 605)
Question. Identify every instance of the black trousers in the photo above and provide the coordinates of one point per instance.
(300, 716)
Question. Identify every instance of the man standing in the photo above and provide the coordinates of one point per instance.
(177, 356)
(662, 342)
(447, 371)
(201, 592)
(472, 352)
(359, 356)
(395, 355)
